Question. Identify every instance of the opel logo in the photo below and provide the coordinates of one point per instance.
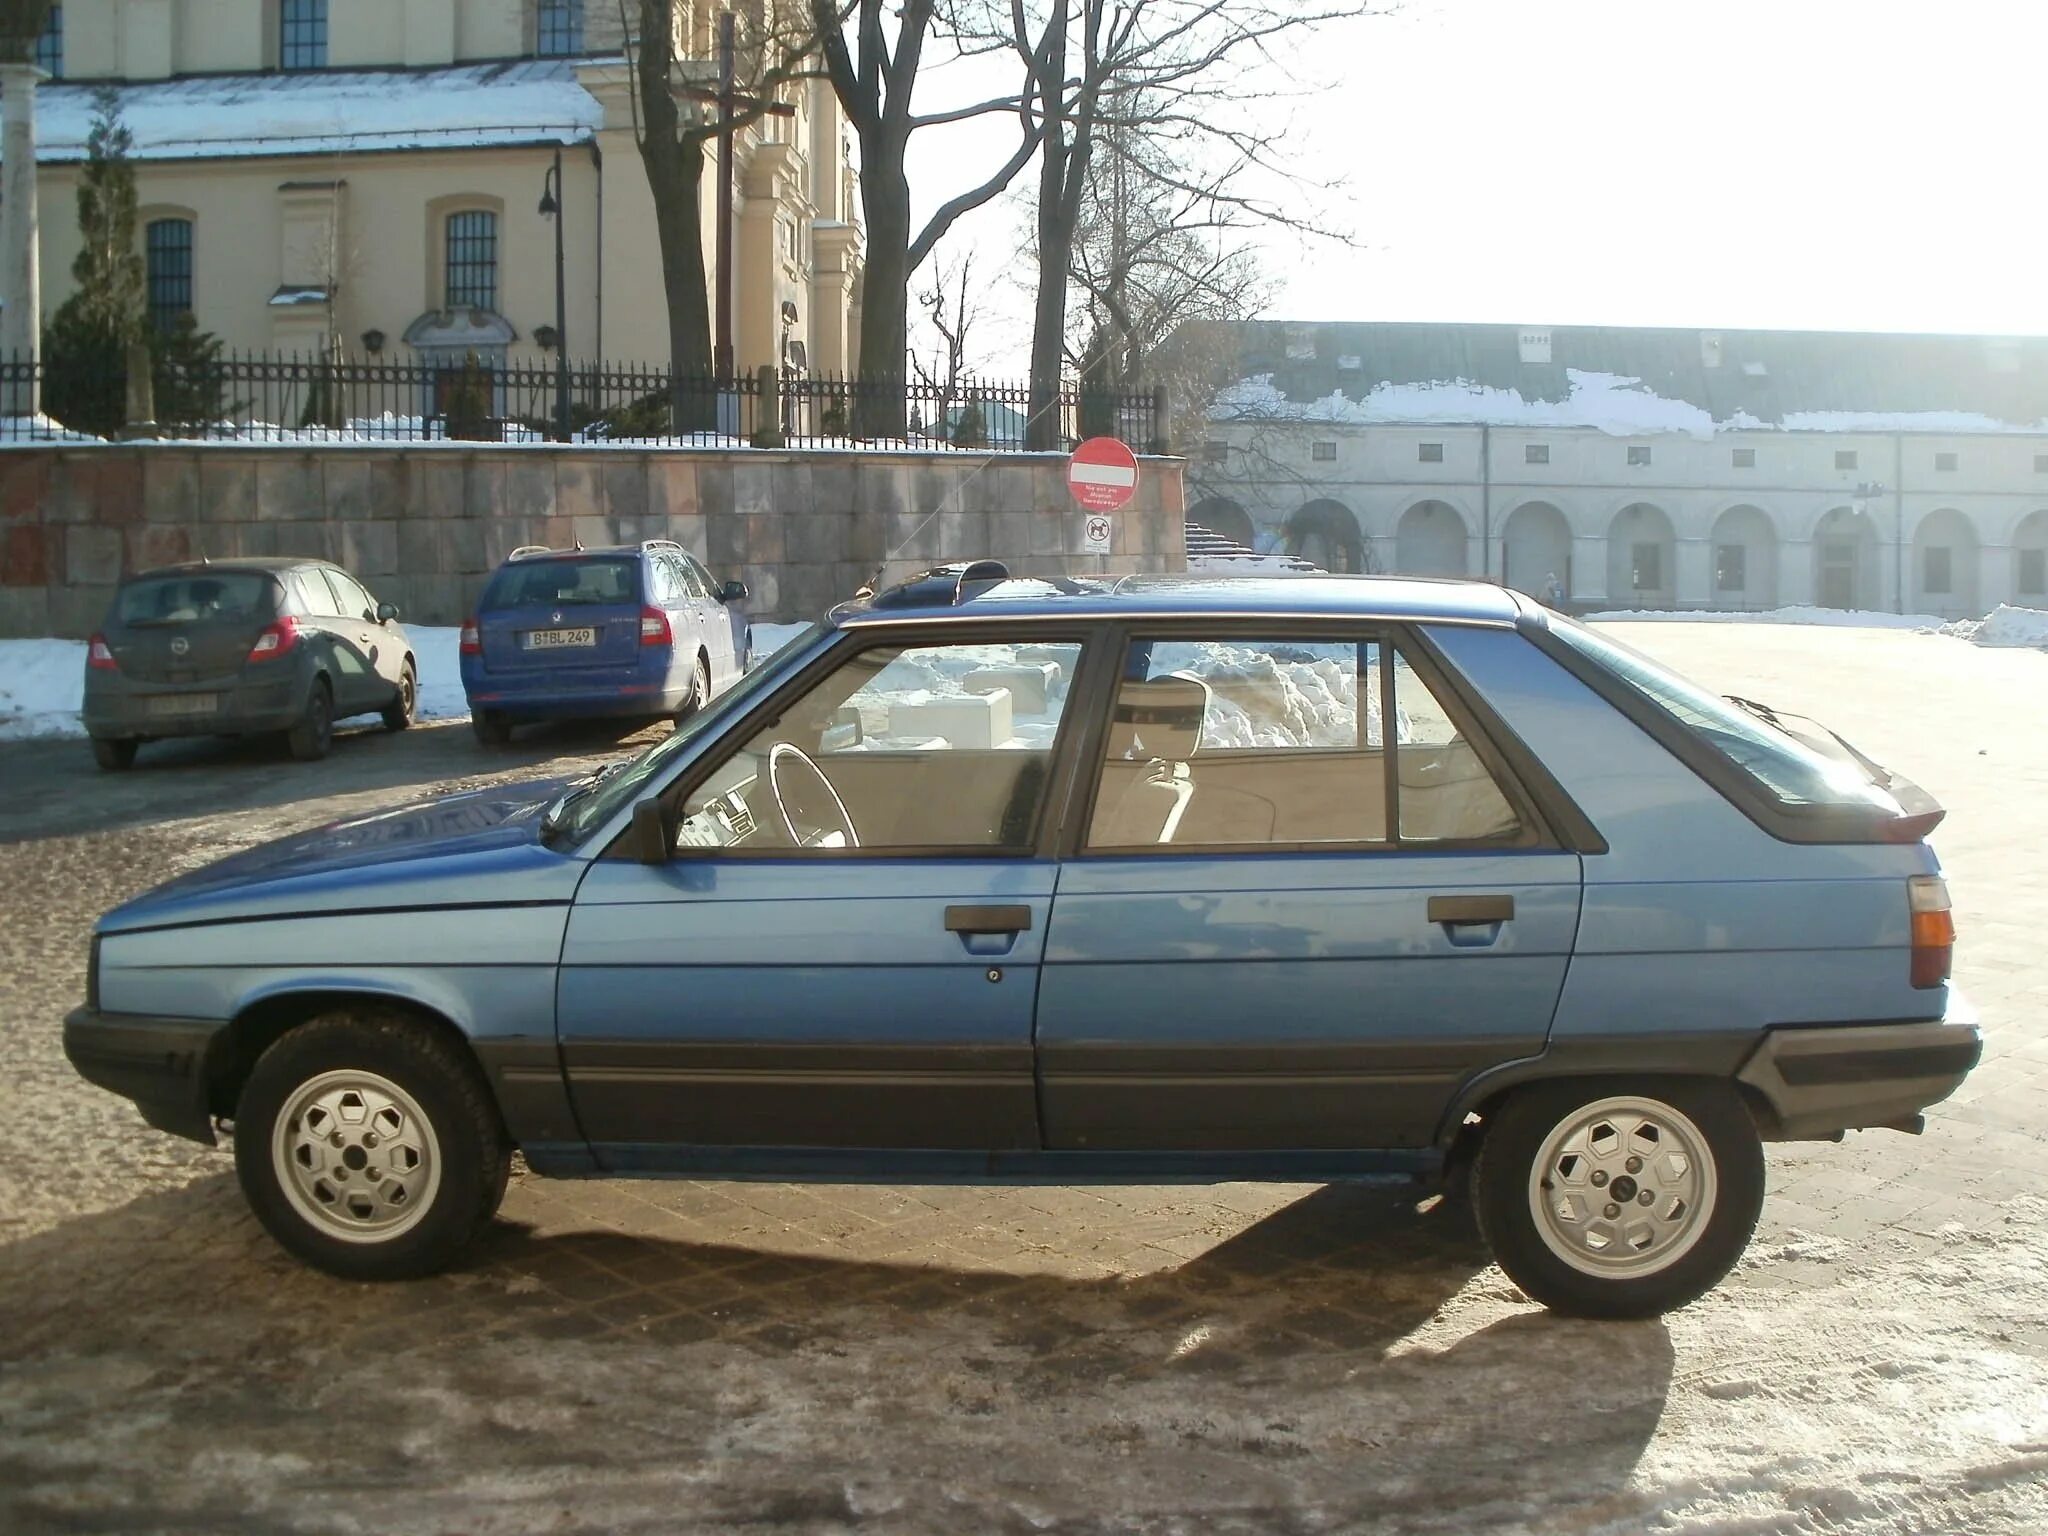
(180, 645)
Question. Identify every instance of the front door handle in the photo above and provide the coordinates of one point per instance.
(1471, 909)
(987, 919)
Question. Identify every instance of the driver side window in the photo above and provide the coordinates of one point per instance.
(939, 747)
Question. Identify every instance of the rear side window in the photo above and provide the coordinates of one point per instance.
(200, 597)
(1787, 770)
(564, 584)
(1225, 743)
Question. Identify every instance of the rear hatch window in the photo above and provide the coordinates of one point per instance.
(1812, 785)
(204, 597)
(593, 583)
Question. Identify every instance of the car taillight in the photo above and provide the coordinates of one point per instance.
(1934, 929)
(654, 628)
(99, 656)
(276, 639)
(472, 643)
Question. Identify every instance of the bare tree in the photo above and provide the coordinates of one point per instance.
(949, 310)
(1183, 72)
(874, 78)
(777, 48)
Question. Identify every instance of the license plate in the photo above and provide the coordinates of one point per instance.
(184, 704)
(550, 639)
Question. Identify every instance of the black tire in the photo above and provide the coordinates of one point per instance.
(398, 714)
(1503, 1202)
(474, 1157)
(490, 727)
(700, 689)
(114, 753)
(311, 738)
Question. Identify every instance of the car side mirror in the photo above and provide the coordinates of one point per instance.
(386, 612)
(733, 592)
(650, 832)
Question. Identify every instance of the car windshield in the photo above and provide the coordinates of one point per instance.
(564, 584)
(580, 812)
(1792, 771)
(200, 597)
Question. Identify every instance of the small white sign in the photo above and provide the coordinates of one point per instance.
(1095, 531)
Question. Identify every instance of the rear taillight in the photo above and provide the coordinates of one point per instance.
(276, 639)
(472, 643)
(1934, 929)
(654, 628)
(99, 656)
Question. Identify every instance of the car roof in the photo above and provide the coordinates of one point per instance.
(1195, 594)
(271, 564)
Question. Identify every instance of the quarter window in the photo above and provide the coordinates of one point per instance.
(472, 260)
(1243, 743)
(167, 255)
(302, 35)
(939, 747)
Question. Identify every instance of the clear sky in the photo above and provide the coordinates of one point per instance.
(1826, 164)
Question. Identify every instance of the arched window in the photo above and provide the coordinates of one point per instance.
(471, 269)
(302, 34)
(557, 27)
(167, 255)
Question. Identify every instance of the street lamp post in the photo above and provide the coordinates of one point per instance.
(551, 207)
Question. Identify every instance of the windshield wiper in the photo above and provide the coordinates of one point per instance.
(556, 818)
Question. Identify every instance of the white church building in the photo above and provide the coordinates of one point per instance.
(1642, 468)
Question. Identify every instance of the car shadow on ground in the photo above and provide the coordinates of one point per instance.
(56, 791)
(1343, 1350)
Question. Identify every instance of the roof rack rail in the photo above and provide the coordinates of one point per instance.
(943, 586)
(526, 551)
(661, 544)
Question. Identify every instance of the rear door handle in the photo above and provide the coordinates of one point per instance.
(1471, 909)
(988, 919)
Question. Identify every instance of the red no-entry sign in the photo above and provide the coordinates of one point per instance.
(1103, 474)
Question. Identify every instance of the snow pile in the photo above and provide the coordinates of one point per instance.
(42, 683)
(1613, 403)
(924, 675)
(1274, 695)
(1250, 564)
(1798, 613)
(37, 430)
(2006, 626)
(764, 640)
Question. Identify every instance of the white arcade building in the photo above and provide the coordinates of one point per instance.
(1642, 468)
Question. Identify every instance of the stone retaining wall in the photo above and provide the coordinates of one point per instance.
(424, 524)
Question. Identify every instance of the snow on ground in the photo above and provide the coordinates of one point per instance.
(42, 682)
(1836, 618)
(2007, 625)
(764, 640)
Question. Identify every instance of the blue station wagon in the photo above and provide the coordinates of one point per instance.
(640, 630)
(1174, 878)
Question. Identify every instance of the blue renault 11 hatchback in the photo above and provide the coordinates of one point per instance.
(1174, 878)
(640, 630)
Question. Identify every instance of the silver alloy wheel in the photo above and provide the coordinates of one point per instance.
(1622, 1187)
(356, 1156)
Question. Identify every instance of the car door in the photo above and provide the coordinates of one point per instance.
(384, 651)
(1285, 925)
(716, 619)
(843, 951)
(345, 640)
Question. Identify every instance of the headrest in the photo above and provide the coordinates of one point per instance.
(1159, 718)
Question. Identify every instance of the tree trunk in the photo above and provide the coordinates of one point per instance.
(885, 299)
(674, 162)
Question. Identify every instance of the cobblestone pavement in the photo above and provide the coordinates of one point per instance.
(627, 1356)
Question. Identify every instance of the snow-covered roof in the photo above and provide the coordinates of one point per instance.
(318, 112)
(1630, 381)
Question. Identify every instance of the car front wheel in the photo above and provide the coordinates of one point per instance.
(367, 1145)
(1622, 1199)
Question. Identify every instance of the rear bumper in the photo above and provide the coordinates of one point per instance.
(592, 701)
(1822, 1079)
(245, 709)
(159, 1063)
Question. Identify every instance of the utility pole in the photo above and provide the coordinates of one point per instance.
(551, 204)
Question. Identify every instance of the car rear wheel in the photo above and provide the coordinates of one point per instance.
(310, 739)
(1620, 1199)
(114, 753)
(367, 1145)
(491, 728)
(398, 714)
(700, 690)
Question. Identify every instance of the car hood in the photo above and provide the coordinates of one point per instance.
(477, 847)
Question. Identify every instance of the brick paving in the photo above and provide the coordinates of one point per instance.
(641, 1355)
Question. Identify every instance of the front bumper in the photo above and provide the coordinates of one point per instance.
(1819, 1080)
(160, 1063)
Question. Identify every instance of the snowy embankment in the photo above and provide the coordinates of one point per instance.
(2007, 625)
(42, 682)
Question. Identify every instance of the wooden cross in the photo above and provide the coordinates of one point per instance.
(730, 102)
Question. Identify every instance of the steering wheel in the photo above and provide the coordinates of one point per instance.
(779, 756)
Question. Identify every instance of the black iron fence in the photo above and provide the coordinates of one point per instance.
(310, 399)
